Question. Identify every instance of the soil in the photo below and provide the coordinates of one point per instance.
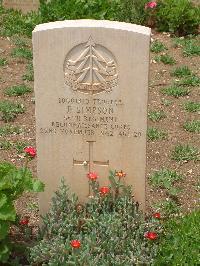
(158, 153)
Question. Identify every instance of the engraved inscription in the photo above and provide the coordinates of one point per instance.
(90, 68)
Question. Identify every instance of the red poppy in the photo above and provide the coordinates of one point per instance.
(92, 176)
(120, 174)
(30, 151)
(104, 190)
(75, 243)
(151, 235)
(24, 221)
(157, 215)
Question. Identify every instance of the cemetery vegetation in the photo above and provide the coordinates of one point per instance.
(192, 126)
(22, 52)
(17, 130)
(156, 116)
(165, 59)
(190, 81)
(154, 134)
(157, 47)
(176, 91)
(17, 90)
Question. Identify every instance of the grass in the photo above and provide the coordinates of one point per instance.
(165, 179)
(192, 106)
(180, 243)
(29, 75)
(156, 116)
(19, 41)
(20, 145)
(184, 153)
(9, 110)
(3, 61)
(190, 46)
(10, 130)
(165, 59)
(192, 126)
(22, 52)
(155, 134)
(17, 90)
(157, 47)
(190, 81)
(181, 72)
(176, 91)
(166, 102)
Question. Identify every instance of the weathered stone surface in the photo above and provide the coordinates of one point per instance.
(91, 88)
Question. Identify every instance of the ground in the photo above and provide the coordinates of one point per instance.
(159, 152)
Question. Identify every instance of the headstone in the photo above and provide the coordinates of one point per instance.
(23, 5)
(91, 88)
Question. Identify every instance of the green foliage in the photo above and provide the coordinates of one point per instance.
(29, 75)
(157, 47)
(75, 9)
(3, 61)
(192, 106)
(165, 179)
(186, 153)
(19, 41)
(20, 145)
(190, 45)
(166, 102)
(17, 90)
(13, 182)
(190, 81)
(5, 145)
(109, 227)
(167, 207)
(165, 59)
(155, 134)
(9, 130)
(22, 52)
(156, 116)
(175, 91)
(180, 243)
(192, 126)
(9, 110)
(180, 17)
(180, 72)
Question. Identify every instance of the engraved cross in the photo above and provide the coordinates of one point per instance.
(90, 162)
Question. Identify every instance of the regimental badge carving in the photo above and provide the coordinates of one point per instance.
(90, 68)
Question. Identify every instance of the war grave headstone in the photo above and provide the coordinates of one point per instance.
(23, 5)
(91, 89)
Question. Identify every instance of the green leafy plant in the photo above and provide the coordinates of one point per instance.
(166, 102)
(186, 153)
(9, 110)
(3, 61)
(22, 52)
(9, 130)
(180, 17)
(192, 106)
(180, 72)
(190, 45)
(175, 91)
(189, 81)
(165, 59)
(19, 41)
(192, 126)
(155, 134)
(29, 75)
(17, 90)
(157, 47)
(156, 116)
(14, 181)
(167, 208)
(20, 145)
(5, 145)
(108, 224)
(180, 242)
(166, 178)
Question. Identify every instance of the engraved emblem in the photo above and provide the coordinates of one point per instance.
(90, 68)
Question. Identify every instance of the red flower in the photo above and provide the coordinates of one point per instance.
(104, 190)
(92, 176)
(24, 221)
(157, 215)
(120, 174)
(152, 5)
(30, 151)
(151, 235)
(75, 243)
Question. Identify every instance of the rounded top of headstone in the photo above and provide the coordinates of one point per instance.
(88, 23)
